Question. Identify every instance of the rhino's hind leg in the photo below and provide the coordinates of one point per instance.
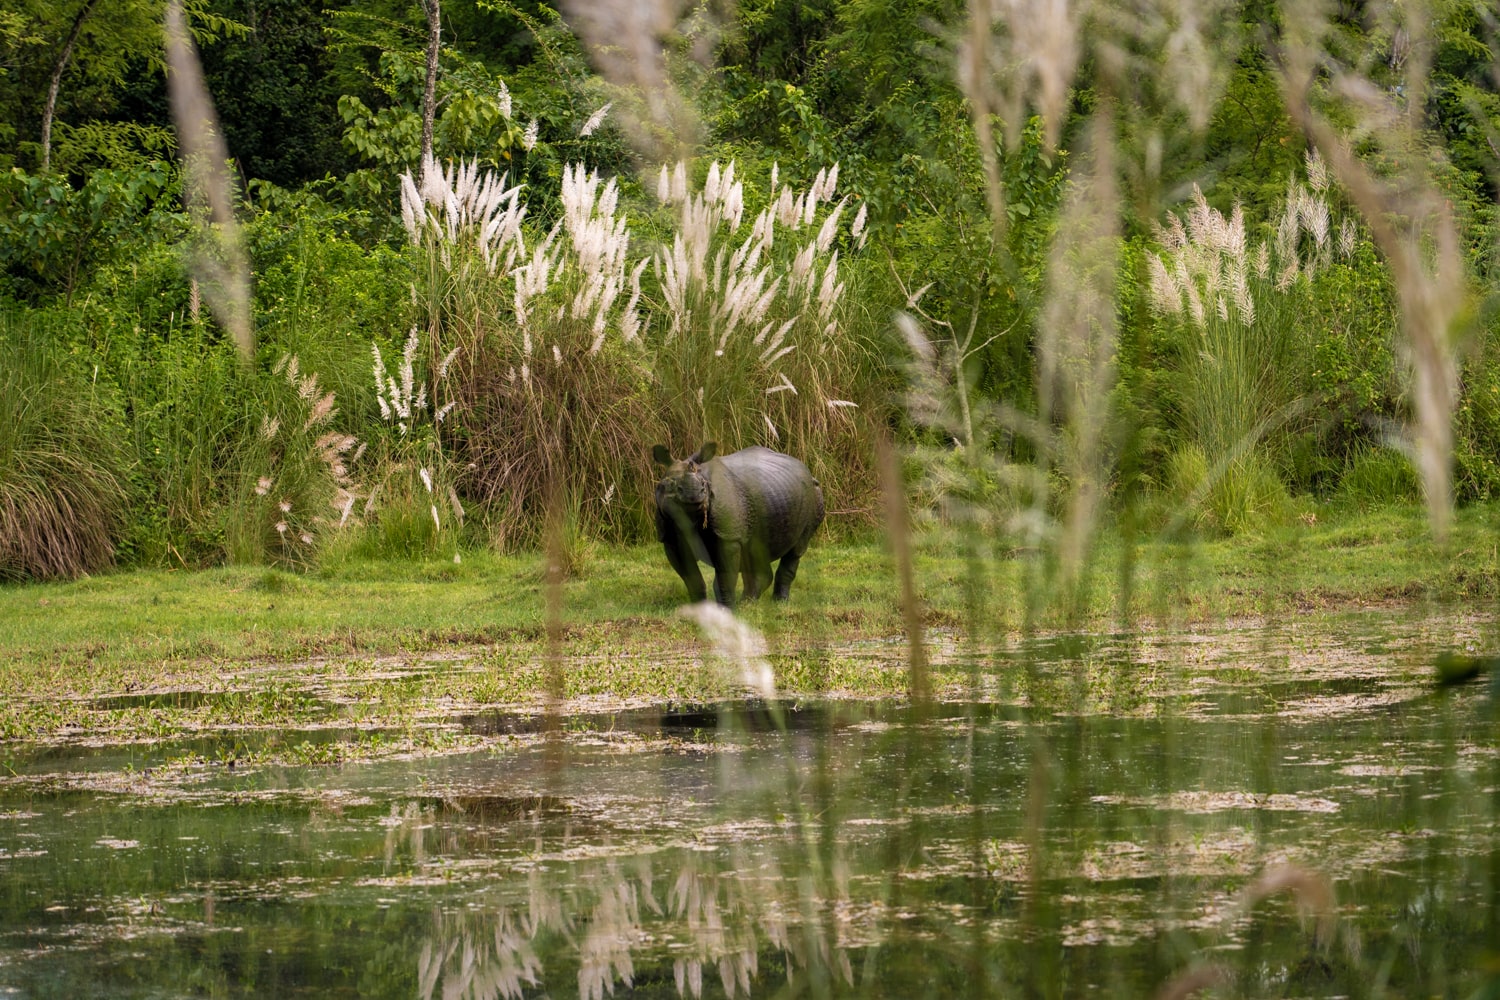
(786, 572)
(757, 578)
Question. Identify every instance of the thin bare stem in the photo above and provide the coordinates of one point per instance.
(899, 530)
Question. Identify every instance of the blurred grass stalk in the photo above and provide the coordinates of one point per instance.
(1076, 353)
(1016, 55)
(219, 261)
(1410, 219)
(629, 42)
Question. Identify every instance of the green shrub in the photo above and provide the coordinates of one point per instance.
(323, 297)
(1377, 475)
(1237, 494)
(52, 235)
(1477, 421)
(62, 493)
(402, 518)
(192, 403)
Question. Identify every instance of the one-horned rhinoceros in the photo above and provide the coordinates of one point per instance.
(738, 513)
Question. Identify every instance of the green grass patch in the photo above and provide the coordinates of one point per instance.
(151, 623)
(385, 653)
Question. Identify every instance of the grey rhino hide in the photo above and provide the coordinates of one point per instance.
(739, 513)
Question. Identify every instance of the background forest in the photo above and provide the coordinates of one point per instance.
(1114, 266)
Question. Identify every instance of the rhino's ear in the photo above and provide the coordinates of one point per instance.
(662, 455)
(706, 453)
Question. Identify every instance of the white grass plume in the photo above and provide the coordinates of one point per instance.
(736, 643)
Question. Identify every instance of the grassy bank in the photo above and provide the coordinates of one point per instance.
(376, 648)
(627, 595)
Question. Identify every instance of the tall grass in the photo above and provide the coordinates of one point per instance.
(750, 341)
(62, 470)
(410, 505)
(191, 404)
(1243, 350)
(543, 347)
(294, 484)
(573, 352)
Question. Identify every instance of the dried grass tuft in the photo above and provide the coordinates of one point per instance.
(297, 487)
(62, 493)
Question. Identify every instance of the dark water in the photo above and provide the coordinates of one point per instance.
(1109, 826)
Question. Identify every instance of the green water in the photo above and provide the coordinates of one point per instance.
(1288, 815)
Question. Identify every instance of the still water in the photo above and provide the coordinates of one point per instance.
(1111, 817)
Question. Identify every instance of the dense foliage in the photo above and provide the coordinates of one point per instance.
(461, 353)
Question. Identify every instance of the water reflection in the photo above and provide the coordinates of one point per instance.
(1231, 835)
(470, 959)
(844, 879)
(682, 909)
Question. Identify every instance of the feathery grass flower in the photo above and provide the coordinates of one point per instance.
(595, 120)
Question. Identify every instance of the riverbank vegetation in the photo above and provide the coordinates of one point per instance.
(376, 646)
(1181, 279)
(1146, 351)
(622, 597)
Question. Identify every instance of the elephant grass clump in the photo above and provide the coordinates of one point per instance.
(567, 440)
(1235, 316)
(752, 338)
(576, 349)
(550, 413)
(62, 492)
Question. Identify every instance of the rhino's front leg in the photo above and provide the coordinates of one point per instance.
(687, 567)
(726, 572)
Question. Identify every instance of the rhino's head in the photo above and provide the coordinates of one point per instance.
(684, 486)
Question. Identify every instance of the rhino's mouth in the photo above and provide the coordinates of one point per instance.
(693, 497)
(686, 498)
(696, 509)
(693, 490)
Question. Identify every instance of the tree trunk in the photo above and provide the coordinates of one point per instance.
(57, 72)
(429, 96)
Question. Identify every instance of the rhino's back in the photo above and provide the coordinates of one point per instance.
(782, 500)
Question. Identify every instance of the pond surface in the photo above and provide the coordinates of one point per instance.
(1256, 811)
